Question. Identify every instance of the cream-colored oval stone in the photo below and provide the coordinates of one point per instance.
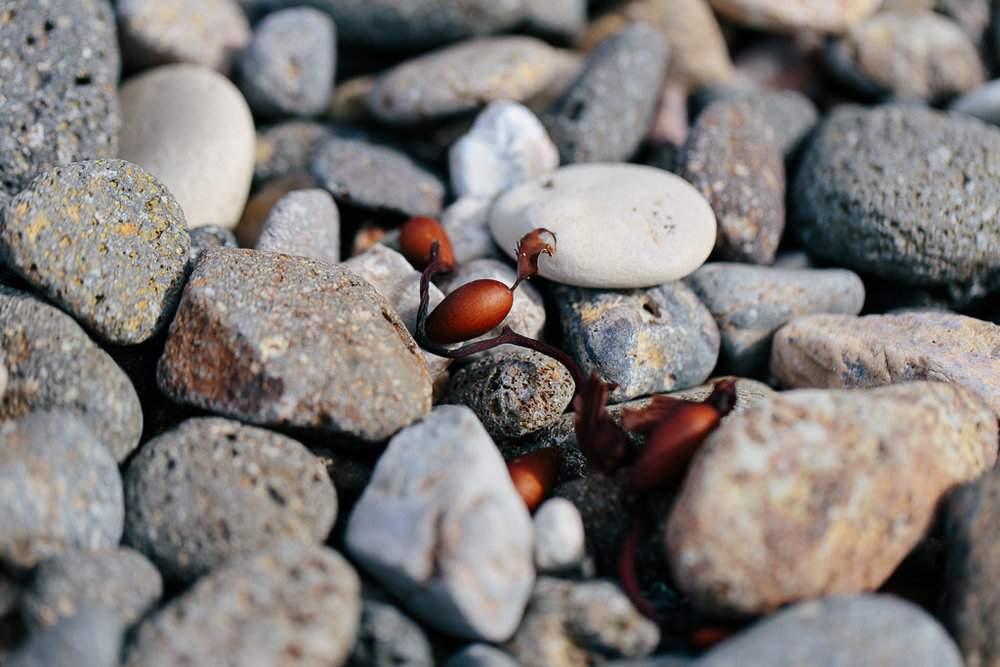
(617, 226)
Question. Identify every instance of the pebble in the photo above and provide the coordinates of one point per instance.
(190, 127)
(869, 629)
(463, 78)
(907, 54)
(506, 145)
(933, 226)
(212, 489)
(72, 112)
(788, 17)
(557, 21)
(60, 489)
(263, 200)
(53, 365)
(513, 392)
(120, 579)
(982, 102)
(734, 159)
(387, 637)
(844, 351)
(646, 341)
(570, 623)
(378, 177)
(288, 147)
(560, 541)
(608, 110)
(821, 492)
(288, 67)
(287, 341)
(467, 223)
(91, 638)
(305, 223)
(749, 303)
(616, 225)
(208, 236)
(211, 33)
(104, 240)
(291, 602)
(442, 528)
(481, 655)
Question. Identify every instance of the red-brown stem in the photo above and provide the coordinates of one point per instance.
(627, 574)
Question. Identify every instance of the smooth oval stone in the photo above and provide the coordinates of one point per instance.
(389, 637)
(616, 225)
(789, 16)
(821, 492)
(560, 541)
(303, 222)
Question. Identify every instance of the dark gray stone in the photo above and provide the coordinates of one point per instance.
(387, 637)
(90, 638)
(106, 241)
(288, 147)
(481, 655)
(209, 236)
(607, 112)
(58, 86)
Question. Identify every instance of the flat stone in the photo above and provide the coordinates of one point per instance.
(788, 17)
(617, 225)
(59, 83)
(821, 492)
(387, 637)
(292, 342)
(749, 303)
(52, 364)
(288, 147)
(841, 351)
(91, 638)
(212, 489)
(106, 241)
(305, 223)
(190, 127)
(442, 528)
(560, 541)
(60, 489)
(308, 598)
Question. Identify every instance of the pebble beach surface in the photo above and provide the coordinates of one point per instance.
(221, 443)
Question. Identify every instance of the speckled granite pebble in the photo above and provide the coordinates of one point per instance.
(59, 487)
(934, 225)
(826, 16)
(290, 341)
(91, 638)
(821, 492)
(72, 112)
(288, 147)
(303, 222)
(121, 579)
(212, 489)
(53, 364)
(378, 177)
(842, 351)
(106, 241)
(288, 67)
(289, 601)
(387, 637)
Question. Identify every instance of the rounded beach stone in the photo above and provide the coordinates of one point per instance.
(293, 601)
(821, 492)
(388, 637)
(616, 225)
(59, 84)
(204, 32)
(557, 21)
(303, 222)
(289, 66)
(91, 638)
(828, 16)
(377, 177)
(867, 629)
(560, 542)
(608, 110)
(53, 364)
(121, 579)
(104, 240)
(734, 159)
(934, 225)
(442, 527)
(59, 487)
(288, 147)
(292, 342)
(467, 223)
(212, 489)
(982, 102)
(190, 127)
(907, 54)
(843, 351)
(463, 78)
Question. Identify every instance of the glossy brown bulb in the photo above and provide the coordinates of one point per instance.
(470, 311)
(415, 239)
(534, 475)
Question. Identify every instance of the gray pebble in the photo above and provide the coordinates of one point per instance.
(290, 603)
(106, 241)
(72, 111)
(607, 112)
(53, 364)
(933, 226)
(59, 487)
(481, 655)
(559, 536)
(733, 158)
(122, 580)
(288, 147)
(306, 223)
(377, 177)
(982, 102)
(645, 340)
(209, 236)
(287, 341)
(289, 65)
(557, 21)
(749, 303)
(467, 223)
(90, 638)
(387, 637)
